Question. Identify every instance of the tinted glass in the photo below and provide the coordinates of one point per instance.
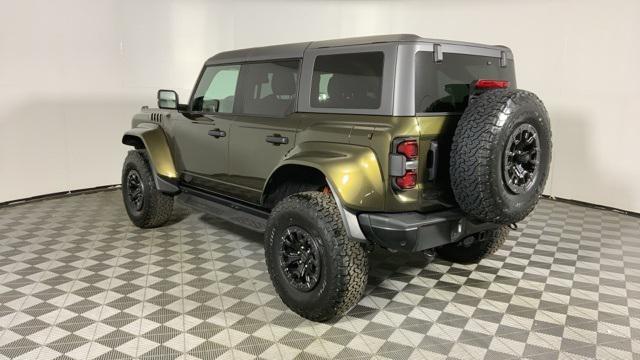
(217, 83)
(269, 88)
(348, 81)
(444, 87)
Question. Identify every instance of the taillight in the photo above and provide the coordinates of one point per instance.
(403, 164)
(485, 84)
(408, 148)
(407, 181)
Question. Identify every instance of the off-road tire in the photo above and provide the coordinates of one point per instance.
(471, 249)
(157, 206)
(289, 188)
(478, 150)
(344, 263)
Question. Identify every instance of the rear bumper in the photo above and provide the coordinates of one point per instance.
(413, 231)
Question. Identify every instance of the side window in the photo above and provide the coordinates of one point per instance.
(217, 88)
(348, 81)
(269, 88)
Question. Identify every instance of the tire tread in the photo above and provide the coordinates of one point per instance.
(160, 207)
(473, 155)
(349, 260)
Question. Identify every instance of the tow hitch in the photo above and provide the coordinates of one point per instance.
(430, 255)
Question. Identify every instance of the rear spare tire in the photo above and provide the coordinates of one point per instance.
(500, 155)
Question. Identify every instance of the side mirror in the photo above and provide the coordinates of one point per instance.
(167, 99)
(205, 106)
(211, 106)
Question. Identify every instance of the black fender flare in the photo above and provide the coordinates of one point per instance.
(152, 138)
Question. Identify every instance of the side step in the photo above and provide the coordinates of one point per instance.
(247, 216)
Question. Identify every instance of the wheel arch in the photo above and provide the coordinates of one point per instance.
(352, 172)
(293, 172)
(133, 140)
(151, 137)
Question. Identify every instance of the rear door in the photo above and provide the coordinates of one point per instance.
(265, 128)
(200, 139)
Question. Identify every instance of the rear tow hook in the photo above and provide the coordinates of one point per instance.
(429, 255)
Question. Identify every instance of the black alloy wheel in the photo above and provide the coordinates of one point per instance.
(300, 258)
(520, 166)
(135, 190)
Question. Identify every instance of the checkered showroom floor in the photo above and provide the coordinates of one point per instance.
(78, 281)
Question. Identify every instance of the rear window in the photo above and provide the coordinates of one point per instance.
(347, 81)
(269, 89)
(444, 87)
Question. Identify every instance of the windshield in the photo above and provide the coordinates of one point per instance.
(444, 87)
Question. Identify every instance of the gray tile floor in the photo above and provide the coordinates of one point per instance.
(78, 281)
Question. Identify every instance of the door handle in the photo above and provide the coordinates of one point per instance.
(217, 133)
(277, 139)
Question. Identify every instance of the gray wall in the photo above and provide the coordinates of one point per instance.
(72, 72)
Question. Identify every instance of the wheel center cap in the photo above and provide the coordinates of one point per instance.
(523, 157)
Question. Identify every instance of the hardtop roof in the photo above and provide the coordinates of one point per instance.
(296, 50)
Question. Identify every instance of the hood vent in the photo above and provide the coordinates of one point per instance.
(156, 117)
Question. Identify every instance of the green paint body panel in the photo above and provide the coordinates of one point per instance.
(155, 141)
(251, 158)
(351, 151)
(353, 171)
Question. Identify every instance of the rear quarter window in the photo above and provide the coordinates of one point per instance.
(444, 86)
(347, 81)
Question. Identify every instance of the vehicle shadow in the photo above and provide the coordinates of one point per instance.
(384, 261)
(252, 236)
(178, 215)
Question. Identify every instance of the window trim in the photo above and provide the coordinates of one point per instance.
(439, 113)
(388, 50)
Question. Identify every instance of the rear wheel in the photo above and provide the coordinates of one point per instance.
(146, 206)
(317, 271)
(475, 247)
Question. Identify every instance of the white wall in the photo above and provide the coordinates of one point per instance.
(73, 72)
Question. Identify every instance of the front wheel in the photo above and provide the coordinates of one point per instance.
(317, 271)
(146, 206)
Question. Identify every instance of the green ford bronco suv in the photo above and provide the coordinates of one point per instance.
(334, 147)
